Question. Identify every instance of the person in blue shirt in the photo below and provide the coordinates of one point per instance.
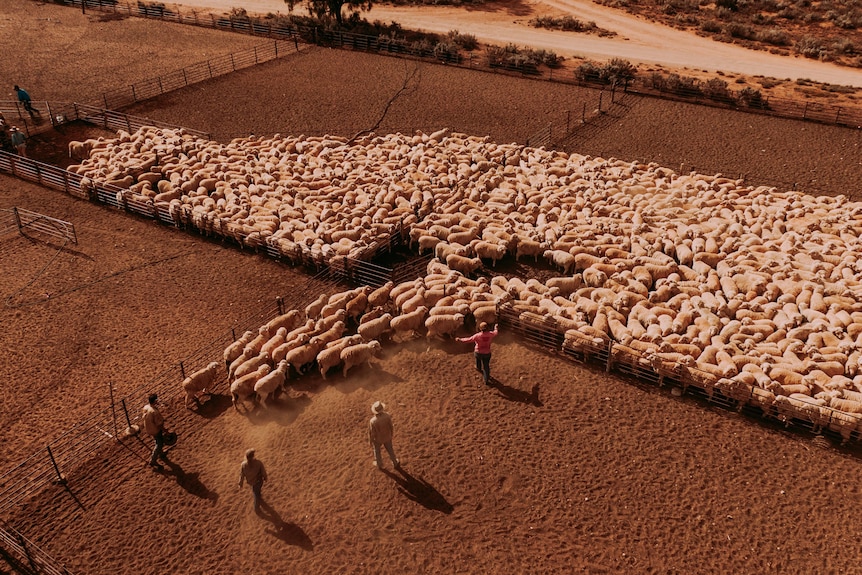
(24, 98)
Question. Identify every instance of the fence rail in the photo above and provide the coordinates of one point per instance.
(25, 556)
(25, 220)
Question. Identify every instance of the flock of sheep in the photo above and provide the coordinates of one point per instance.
(746, 290)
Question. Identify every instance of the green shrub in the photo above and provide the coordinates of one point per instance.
(842, 46)
(711, 26)
(741, 31)
(751, 98)
(465, 41)
(683, 86)
(774, 36)
(810, 47)
(716, 89)
(657, 81)
(588, 72)
(618, 71)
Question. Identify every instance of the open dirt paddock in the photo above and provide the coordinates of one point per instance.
(558, 468)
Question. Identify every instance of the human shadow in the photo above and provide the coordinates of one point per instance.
(514, 394)
(290, 533)
(420, 491)
(189, 481)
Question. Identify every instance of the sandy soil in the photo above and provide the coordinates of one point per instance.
(557, 468)
(637, 39)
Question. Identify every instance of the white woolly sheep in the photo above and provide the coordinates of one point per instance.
(331, 356)
(466, 266)
(251, 365)
(380, 296)
(561, 259)
(443, 325)
(409, 323)
(375, 328)
(304, 354)
(243, 387)
(199, 382)
(288, 321)
(271, 383)
(234, 350)
(353, 355)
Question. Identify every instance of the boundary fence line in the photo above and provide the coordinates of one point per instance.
(57, 114)
(691, 90)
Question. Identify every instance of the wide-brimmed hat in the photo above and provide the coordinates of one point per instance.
(377, 407)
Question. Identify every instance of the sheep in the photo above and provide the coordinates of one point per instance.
(353, 355)
(200, 381)
(304, 354)
(332, 334)
(251, 365)
(272, 382)
(561, 259)
(312, 310)
(281, 351)
(527, 247)
(243, 387)
(440, 325)
(409, 323)
(380, 296)
(357, 306)
(375, 328)
(235, 349)
(274, 341)
(243, 357)
(288, 321)
(566, 285)
(262, 337)
(466, 266)
(489, 251)
(331, 356)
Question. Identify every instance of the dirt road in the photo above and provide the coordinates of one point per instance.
(636, 40)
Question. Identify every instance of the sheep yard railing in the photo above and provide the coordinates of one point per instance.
(637, 367)
(26, 557)
(26, 221)
(359, 268)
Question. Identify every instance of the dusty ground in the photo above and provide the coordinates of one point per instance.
(558, 468)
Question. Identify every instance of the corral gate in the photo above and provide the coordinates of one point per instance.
(27, 221)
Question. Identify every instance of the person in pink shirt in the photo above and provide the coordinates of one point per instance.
(482, 351)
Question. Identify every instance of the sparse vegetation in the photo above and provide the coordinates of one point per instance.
(766, 24)
(569, 24)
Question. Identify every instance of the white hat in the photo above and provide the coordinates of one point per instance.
(377, 407)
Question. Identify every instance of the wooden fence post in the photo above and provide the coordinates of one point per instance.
(610, 364)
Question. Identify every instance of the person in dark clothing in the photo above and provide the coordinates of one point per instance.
(24, 98)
